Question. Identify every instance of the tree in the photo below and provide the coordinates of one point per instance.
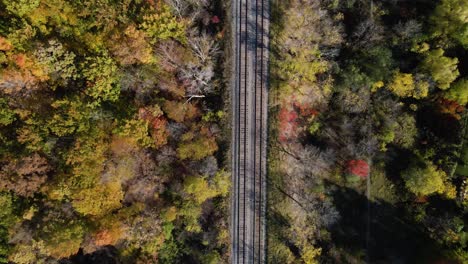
(442, 69)
(70, 116)
(163, 25)
(425, 179)
(197, 149)
(450, 19)
(458, 91)
(137, 130)
(405, 130)
(103, 78)
(59, 62)
(98, 200)
(25, 176)
(358, 168)
(61, 237)
(7, 219)
(404, 85)
(7, 116)
(131, 47)
(21, 7)
(198, 187)
(179, 111)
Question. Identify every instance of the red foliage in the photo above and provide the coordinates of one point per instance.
(305, 110)
(358, 167)
(450, 107)
(287, 125)
(157, 125)
(215, 20)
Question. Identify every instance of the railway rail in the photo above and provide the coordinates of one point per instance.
(249, 143)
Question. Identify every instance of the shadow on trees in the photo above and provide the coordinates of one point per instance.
(380, 231)
(105, 255)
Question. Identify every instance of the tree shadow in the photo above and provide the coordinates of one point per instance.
(382, 232)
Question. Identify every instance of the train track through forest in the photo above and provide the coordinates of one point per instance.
(250, 27)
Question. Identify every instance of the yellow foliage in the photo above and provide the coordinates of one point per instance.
(170, 214)
(5, 45)
(377, 85)
(403, 85)
(99, 200)
(309, 254)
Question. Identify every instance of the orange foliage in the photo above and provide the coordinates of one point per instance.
(157, 124)
(287, 125)
(179, 111)
(20, 60)
(5, 45)
(452, 108)
(26, 77)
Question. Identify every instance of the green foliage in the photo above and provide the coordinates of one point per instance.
(197, 149)
(302, 65)
(170, 252)
(7, 219)
(211, 258)
(450, 19)
(377, 63)
(213, 116)
(163, 25)
(71, 116)
(442, 69)
(138, 131)
(314, 128)
(61, 237)
(385, 137)
(199, 189)
(191, 212)
(382, 188)
(20, 7)
(103, 78)
(458, 91)
(7, 116)
(424, 180)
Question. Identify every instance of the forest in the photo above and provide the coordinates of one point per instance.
(368, 153)
(112, 132)
(115, 131)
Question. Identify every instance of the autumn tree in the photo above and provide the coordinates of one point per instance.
(59, 62)
(458, 91)
(131, 47)
(7, 116)
(179, 111)
(8, 218)
(197, 147)
(24, 176)
(98, 200)
(71, 115)
(404, 85)
(60, 235)
(450, 19)
(424, 180)
(163, 25)
(103, 78)
(21, 7)
(442, 69)
(137, 130)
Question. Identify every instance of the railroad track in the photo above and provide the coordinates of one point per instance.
(249, 142)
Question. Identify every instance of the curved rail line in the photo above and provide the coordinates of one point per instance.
(250, 106)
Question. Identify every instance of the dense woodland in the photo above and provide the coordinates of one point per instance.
(368, 157)
(112, 132)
